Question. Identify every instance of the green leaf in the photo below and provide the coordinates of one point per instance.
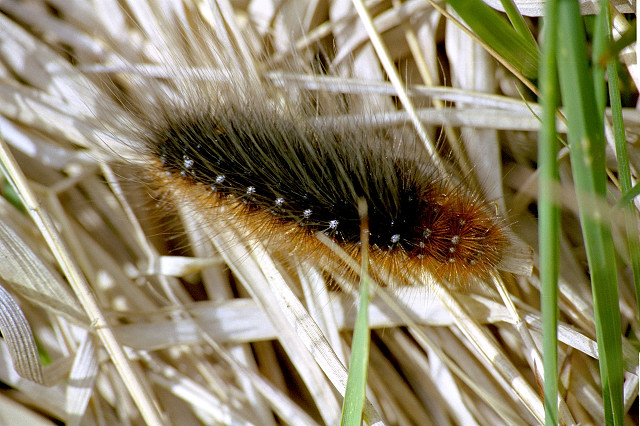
(549, 213)
(493, 29)
(357, 379)
(587, 146)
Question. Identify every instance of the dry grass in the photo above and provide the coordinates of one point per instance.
(203, 329)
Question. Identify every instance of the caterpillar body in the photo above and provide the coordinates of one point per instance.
(285, 176)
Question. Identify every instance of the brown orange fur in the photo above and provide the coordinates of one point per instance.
(396, 266)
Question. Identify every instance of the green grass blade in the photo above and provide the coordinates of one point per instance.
(630, 194)
(614, 47)
(598, 46)
(549, 214)
(586, 141)
(624, 174)
(357, 379)
(517, 20)
(491, 27)
(9, 192)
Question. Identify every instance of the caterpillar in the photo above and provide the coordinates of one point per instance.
(285, 177)
(266, 157)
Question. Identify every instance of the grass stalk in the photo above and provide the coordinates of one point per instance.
(584, 112)
(357, 379)
(548, 212)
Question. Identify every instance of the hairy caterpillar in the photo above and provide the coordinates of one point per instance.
(266, 158)
(287, 178)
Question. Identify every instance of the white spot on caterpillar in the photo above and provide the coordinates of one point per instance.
(188, 162)
(306, 214)
(220, 179)
(279, 202)
(251, 190)
(395, 238)
(455, 239)
(427, 233)
(452, 249)
(333, 224)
